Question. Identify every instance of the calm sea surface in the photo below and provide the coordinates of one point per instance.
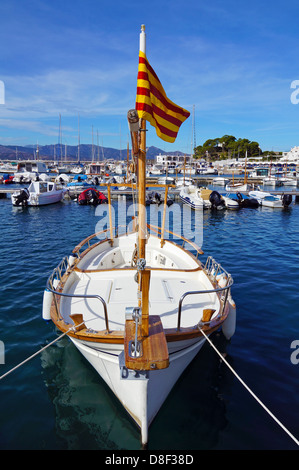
(57, 400)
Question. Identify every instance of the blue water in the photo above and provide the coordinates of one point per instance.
(57, 401)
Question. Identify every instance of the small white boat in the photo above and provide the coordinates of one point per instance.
(39, 193)
(184, 182)
(25, 177)
(166, 180)
(270, 180)
(235, 187)
(8, 168)
(287, 181)
(196, 198)
(271, 200)
(77, 170)
(156, 169)
(220, 181)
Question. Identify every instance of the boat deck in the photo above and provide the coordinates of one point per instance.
(119, 290)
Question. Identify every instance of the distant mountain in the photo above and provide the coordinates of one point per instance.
(61, 153)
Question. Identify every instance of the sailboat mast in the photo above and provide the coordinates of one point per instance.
(142, 173)
(78, 139)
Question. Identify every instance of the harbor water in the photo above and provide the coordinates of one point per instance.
(57, 401)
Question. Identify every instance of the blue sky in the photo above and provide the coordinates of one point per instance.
(234, 61)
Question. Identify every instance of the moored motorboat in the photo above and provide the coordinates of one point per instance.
(137, 305)
(196, 198)
(39, 193)
(91, 196)
(238, 200)
(271, 200)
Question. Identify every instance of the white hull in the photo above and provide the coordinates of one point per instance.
(142, 397)
(39, 193)
(267, 199)
(193, 197)
(231, 188)
(230, 203)
(288, 181)
(220, 181)
(44, 200)
(269, 181)
(107, 271)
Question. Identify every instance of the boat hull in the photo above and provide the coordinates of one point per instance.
(143, 393)
(236, 187)
(41, 200)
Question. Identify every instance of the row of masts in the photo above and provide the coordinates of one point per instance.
(92, 151)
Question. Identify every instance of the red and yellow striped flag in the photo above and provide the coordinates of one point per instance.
(153, 105)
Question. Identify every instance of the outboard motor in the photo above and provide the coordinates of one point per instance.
(157, 198)
(248, 202)
(216, 200)
(91, 197)
(286, 200)
(22, 198)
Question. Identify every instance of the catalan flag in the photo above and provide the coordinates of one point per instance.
(153, 105)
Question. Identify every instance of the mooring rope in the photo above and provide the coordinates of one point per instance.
(250, 391)
(73, 328)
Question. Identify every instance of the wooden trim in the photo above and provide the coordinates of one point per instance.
(145, 283)
(154, 348)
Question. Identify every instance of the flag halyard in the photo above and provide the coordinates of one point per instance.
(154, 106)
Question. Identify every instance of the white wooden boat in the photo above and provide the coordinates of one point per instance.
(39, 193)
(220, 180)
(136, 304)
(270, 200)
(235, 187)
(196, 198)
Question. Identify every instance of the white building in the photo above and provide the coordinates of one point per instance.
(171, 162)
(291, 157)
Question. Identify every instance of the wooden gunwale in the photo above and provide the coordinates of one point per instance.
(151, 227)
(84, 253)
(116, 336)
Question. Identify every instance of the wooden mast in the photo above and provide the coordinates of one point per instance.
(144, 274)
(142, 173)
(151, 342)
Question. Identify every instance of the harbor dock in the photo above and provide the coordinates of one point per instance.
(6, 191)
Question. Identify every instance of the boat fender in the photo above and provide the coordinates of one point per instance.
(229, 325)
(221, 279)
(47, 301)
(72, 258)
